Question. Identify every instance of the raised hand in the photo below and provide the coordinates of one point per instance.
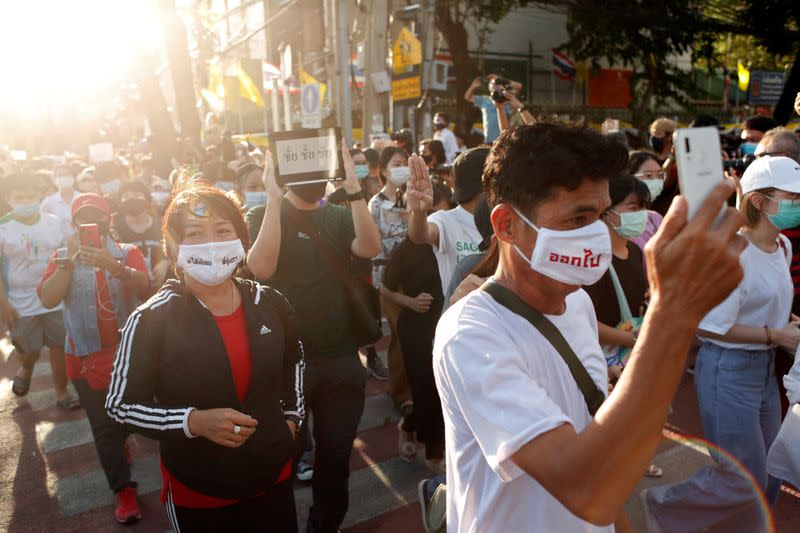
(351, 184)
(268, 178)
(420, 187)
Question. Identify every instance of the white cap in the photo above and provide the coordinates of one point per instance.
(772, 172)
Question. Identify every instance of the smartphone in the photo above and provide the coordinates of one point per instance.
(699, 158)
(90, 235)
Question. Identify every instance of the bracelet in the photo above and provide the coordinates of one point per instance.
(769, 337)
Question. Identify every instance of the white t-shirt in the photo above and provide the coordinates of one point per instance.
(763, 298)
(393, 227)
(458, 238)
(25, 251)
(55, 205)
(448, 140)
(502, 384)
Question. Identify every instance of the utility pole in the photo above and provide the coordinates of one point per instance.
(375, 51)
(428, 36)
(344, 98)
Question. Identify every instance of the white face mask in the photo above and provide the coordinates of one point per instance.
(655, 187)
(575, 257)
(64, 182)
(211, 263)
(399, 175)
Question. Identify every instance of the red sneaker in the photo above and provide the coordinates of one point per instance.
(127, 510)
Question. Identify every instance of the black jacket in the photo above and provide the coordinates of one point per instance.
(172, 358)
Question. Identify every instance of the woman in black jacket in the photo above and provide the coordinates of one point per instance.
(211, 366)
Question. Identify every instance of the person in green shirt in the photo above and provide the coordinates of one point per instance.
(287, 257)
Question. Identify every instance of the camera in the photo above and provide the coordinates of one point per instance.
(500, 86)
(739, 164)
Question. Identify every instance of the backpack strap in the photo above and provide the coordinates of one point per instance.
(593, 396)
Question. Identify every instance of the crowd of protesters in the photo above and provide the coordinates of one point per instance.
(193, 300)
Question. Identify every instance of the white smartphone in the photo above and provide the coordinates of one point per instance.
(699, 158)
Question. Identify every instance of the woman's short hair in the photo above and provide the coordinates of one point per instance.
(202, 200)
(620, 187)
(437, 149)
(750, 212)
(637, 158)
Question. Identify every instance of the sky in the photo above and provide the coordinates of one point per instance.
(59, 53)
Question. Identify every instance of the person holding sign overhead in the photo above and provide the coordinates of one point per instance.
(296, 247)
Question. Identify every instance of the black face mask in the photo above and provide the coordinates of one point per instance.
(427, 159)
(134, 206)
(439, 126)
(656, 144)
(311, 192)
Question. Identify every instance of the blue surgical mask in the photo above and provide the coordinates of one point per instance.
(631, 224)
(788, 215)
(110, 187)
(362, 171)
(26, 210)
(253, 199)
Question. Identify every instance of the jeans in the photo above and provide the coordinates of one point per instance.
(740, 410)
(109, 436)
(334, 392)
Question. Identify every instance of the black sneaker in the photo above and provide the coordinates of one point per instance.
(377, 369)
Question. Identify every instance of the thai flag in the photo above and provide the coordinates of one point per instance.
(563, 67)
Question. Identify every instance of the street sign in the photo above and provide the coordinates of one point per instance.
(766, 87)
(406, 51)
(406, 87)
(310, 105)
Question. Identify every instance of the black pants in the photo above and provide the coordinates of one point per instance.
(416, 339)
(334, 392)
(109, 436)
(273, 512)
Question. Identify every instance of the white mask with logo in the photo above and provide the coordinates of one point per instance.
(575, 257)
(211, 263)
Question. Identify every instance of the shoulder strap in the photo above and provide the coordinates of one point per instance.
(624, 308)
(331, 257)
(593, 396)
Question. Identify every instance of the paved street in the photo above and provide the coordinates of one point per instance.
(50, 477)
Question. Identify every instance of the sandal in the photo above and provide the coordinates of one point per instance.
(20, 386)
(68, 402)
(654, 471)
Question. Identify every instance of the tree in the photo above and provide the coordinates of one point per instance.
(646, 37)
(452, 19)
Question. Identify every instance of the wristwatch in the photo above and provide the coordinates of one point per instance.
(356, 196)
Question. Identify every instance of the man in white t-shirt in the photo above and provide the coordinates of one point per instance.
(28, 238)
(59, 204)
(445, 136)
(523, 452)
(452, 233)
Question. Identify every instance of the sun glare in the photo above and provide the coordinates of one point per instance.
(57, 53)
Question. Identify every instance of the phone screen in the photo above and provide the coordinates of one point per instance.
(90, 235)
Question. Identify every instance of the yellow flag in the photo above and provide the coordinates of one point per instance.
(248, 89)
(306, 78)
(744, 78)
